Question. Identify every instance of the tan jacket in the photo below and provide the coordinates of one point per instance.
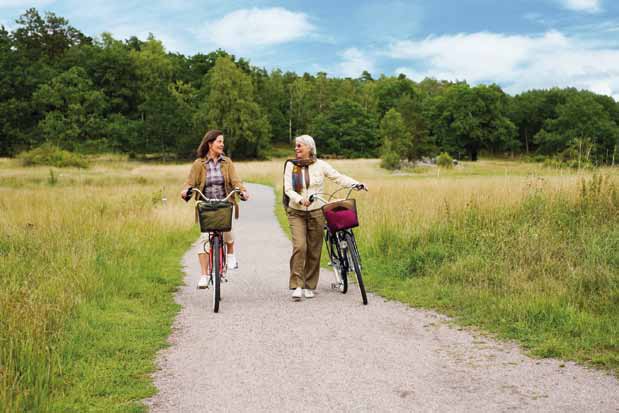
(318, 171)
(197, 178)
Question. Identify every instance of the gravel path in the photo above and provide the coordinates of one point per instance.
(264, 352)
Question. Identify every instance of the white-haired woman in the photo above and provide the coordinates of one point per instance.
(305, 176)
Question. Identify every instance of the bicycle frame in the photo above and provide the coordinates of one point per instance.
(217, 252)
(216, 235)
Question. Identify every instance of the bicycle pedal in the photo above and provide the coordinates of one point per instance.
(334, 286)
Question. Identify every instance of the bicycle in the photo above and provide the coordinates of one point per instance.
(215, 218)
(344, 257)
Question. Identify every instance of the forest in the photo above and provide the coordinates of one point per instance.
(62, 87)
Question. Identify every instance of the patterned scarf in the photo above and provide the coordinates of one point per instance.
(301, 167)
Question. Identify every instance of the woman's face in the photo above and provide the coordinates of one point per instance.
(301, 150)
(217, 146)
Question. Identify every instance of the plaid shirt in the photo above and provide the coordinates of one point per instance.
(214, 187)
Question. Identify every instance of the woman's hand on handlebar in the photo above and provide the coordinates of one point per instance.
(244, 195)
(361, 187)
(306, 202)
(186, 194)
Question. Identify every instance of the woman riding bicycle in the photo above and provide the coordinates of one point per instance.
(214, 174)
(304, 176)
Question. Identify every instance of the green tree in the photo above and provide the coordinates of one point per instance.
(113, 70)
(299, 110)
(466, 119)
(388, 90)
(73, 110)
(45, 38)
(581, 119)
(394, 137)
(272, 97)
(347, 130)
(230, 107)
(419, 143)
(529, 110)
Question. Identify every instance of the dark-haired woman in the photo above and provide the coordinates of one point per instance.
(214, 174)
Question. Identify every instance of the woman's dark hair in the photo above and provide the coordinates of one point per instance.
(209, 137)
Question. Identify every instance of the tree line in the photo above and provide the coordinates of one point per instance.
(61, 86)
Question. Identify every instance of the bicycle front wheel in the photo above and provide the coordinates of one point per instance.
(216, 274)
(354, 257)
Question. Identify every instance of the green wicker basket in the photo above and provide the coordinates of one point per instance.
(214, 216)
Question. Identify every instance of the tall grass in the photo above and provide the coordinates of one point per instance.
(526, 252)
(87, 269)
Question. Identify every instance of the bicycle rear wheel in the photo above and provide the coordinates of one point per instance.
(341, 278)
(216, 274)
(354, 257)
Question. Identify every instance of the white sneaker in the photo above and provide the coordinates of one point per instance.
(296, 294)
(233, 264)
(203, 283)
(308, 293)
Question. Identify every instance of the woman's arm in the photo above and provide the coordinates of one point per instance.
(236, 182)
(335, 176)
(191, 180)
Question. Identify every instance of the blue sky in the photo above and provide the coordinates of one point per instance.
(518, 44)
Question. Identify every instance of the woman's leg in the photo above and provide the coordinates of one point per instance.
(298, 230)
(202, 254)
(231, 259)
(229, 240)
(203, 258)
(315, 232)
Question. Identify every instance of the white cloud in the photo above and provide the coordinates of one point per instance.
(590, 6)
(9, 4)
(354, 63)
(245, 29)
(517, 62)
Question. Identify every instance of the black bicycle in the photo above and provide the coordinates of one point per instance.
(341, 218)
(215, 218)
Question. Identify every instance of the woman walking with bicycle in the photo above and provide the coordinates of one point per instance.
(304, 176)
(214, 175)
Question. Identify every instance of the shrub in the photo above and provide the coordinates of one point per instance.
(390, 160)
(444, 160)
(51, 155)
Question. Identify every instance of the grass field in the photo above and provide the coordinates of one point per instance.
(89, 260)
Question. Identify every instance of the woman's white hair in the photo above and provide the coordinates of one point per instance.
(307, 140)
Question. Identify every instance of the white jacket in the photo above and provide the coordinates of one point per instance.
(317, 173)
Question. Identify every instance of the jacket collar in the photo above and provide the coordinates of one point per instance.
(221, 158)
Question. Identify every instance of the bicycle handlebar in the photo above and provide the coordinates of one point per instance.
(358, 187)
(191, 189)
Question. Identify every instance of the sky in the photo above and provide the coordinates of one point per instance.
(517, 44)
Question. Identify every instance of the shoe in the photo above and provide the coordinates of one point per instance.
(233, 264)
(308, 293)
(296, 294)
(203, 283)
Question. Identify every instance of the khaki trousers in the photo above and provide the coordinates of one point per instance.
(306, 228)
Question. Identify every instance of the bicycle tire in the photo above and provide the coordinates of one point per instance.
(216, 274)
(354, 255)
